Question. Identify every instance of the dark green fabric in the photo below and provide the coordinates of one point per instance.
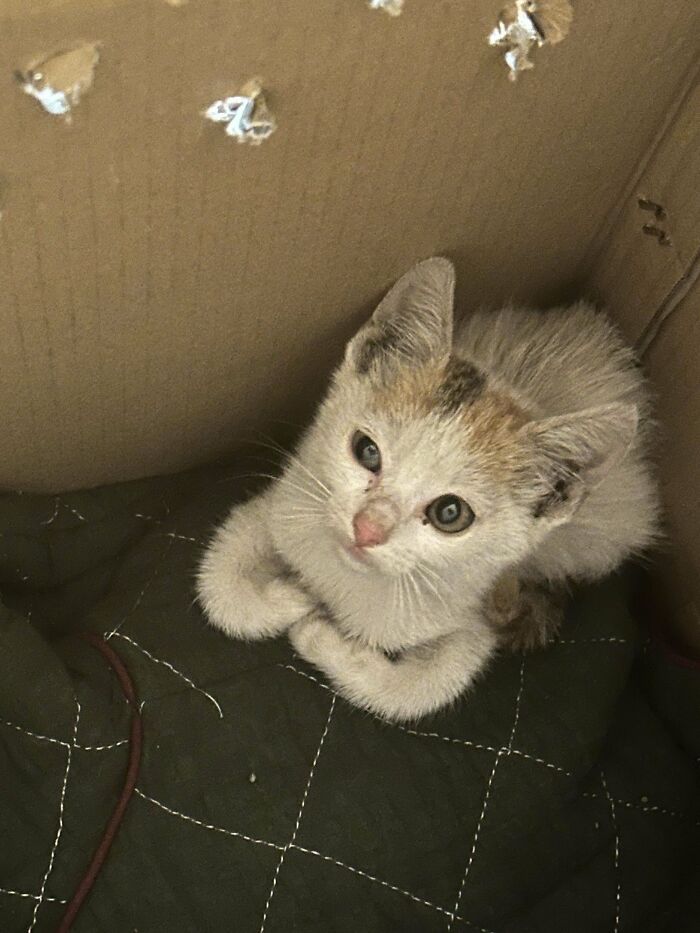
(559, 795)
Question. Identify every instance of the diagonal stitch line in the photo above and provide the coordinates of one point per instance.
(385, 884)
(216, 829)
(294, 845)
(651, 808)
(57, 506)
(36, 735)
(590, 641)
(168, 534)
(177, 537)
(519, 697)
(139, 598)
(99, 748)
(170, 667)
(540, 761)
(516, 719)
(487, 748)
(69, 756)
(33, 897)
(436, 735)
(299, 814)
(613, 816)
(62, 742)
(476, 839)
(74, 511)
(290, 667)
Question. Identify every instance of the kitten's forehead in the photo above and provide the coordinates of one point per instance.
(456, 402)
(441, 388)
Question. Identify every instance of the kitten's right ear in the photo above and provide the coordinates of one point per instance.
(572, 454)
(413, 323)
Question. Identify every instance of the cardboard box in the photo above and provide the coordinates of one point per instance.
(164, 291)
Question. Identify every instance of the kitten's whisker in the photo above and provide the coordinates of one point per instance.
(409, 594)
(307, 508)
(304, 490)
(228, 479)
(270, 443)
(398, 589)
(293, 458)
(302, 521)
(300, 512)
(432, 586)
(429, 574)
(416, 589)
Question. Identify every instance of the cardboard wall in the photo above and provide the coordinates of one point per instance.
(651, 281)
(165, 291)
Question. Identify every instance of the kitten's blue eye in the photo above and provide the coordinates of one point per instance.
(449, 514)
(366, 452)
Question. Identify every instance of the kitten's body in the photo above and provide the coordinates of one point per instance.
(486, 417)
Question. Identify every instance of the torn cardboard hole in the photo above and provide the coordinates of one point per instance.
(392, 7)
(246, 114)
(528, 24)
(58, 81)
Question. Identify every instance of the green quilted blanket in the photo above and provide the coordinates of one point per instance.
(560, 795)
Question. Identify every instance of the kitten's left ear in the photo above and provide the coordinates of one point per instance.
(571, 454)
(413, 323)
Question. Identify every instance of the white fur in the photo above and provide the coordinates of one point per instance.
(281, 560)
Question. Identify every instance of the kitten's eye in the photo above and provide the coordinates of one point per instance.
(449, 514)
(366, 452)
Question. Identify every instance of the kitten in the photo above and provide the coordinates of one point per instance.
(444, 482)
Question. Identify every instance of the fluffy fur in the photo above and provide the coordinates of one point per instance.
(538, 420)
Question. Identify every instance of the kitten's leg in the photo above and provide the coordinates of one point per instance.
(241, 583)
(524, 614)
(421, 681)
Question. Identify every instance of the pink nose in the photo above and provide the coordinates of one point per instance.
(368, 532)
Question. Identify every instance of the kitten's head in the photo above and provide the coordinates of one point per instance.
(419, 460)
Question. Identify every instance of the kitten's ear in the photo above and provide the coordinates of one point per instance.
(572, 454)
(412, 323)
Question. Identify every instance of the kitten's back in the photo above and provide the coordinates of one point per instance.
(561, 360)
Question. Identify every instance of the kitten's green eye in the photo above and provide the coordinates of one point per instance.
(449, 514)
(366, 452)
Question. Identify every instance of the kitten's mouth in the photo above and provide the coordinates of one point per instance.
(357, 556)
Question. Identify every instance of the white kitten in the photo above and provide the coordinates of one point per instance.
(435, 470)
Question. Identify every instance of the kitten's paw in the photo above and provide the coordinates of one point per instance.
(251, 613)
(288, 602)
(314, 639)
(525, 616)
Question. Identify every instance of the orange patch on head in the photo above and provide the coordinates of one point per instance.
(492, 427)
(411, 393)
(456, 390)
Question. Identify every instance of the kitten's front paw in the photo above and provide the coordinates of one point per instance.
(288, 602)
(253, 612)
(314, 639)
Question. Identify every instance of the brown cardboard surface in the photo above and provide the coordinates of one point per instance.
(654, 291)
(164, 290)
(636, 269)
(674, 364)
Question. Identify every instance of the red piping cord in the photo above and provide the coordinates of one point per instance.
(135, 747)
